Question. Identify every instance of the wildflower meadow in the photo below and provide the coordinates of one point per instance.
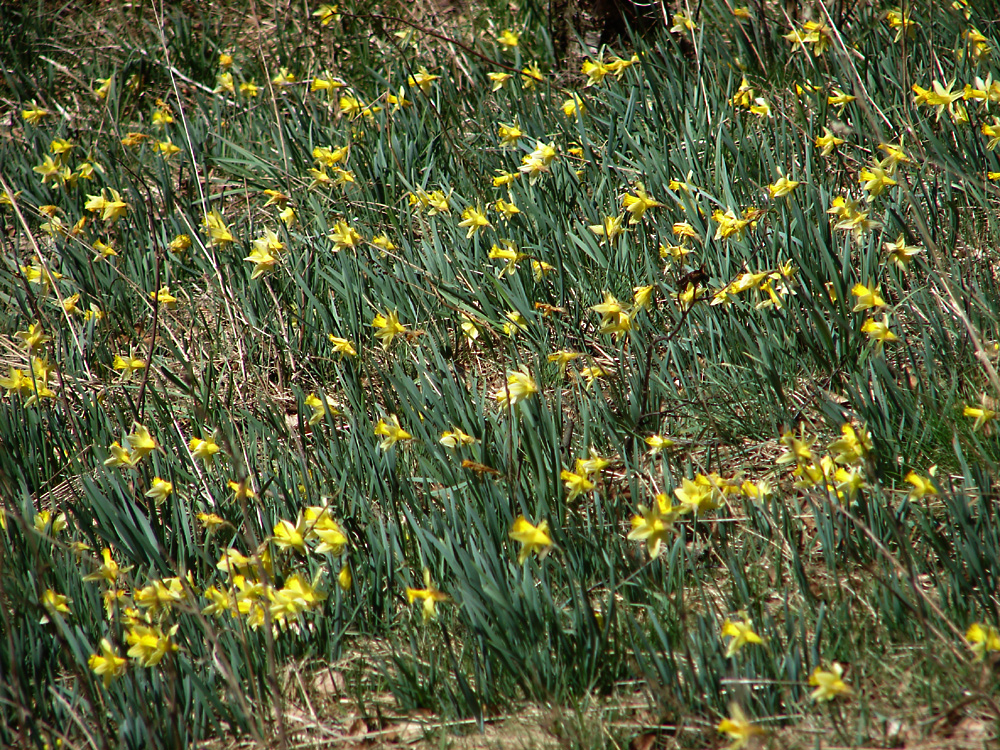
(492, 375)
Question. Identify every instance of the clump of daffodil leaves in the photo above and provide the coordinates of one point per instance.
(504, 376)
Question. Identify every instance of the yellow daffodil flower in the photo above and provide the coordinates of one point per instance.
(288, 535)
(729, 224)
(879, 332)
(319, 408)
(901, 23)
(342, 346)
(922, 486)
(326, 83)
(516, 323)
(263, 261)
(456, 438)
(563, 357)
(329, 156)
(530, 75)
(498, 80)
(739, 633)
(149, 644)
(811, 33)
(739, 728)
(743, 98)
(423, 79)
(120, 457)
(614, 318)
(327, 14)
(284, 77)
(508, 39)
(389, 327)
(638, 204)
(595, 72)
(429, 595)
(473, 220)
(140, 442)
(204, 448)
(868, 297)
(159, 490)
(573, 105)
(576, 484)
(344, 236)
(696, 497)
(390, 432)
(520, 387)
(682, 24)
(654, 524)
(107, 665)
(469, 328)
(658, 443)
(44, 518)
(900, 253)
(839, 98)
(507, 209)
(34, 338)
(983, 639)
(180, 243)
(164, 297)
(128, 364)
(618, 65)
(684, 230)
(35, 114)
(828, 683)
(782, 187)
(533, 539)
(875, 180)
(110, 209)
(55, 605)
(610, 228)
(344, 578)
(162, 595)
(642, 296)
(760, 107)
(108, 571)
(982, 415)
(218, 233)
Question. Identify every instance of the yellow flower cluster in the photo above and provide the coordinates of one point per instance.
(33, 385)
(596, 70)
(773, 285)
(654, 524)
(840, 471)
(264, 588)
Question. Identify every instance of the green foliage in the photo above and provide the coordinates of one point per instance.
(749, 338)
